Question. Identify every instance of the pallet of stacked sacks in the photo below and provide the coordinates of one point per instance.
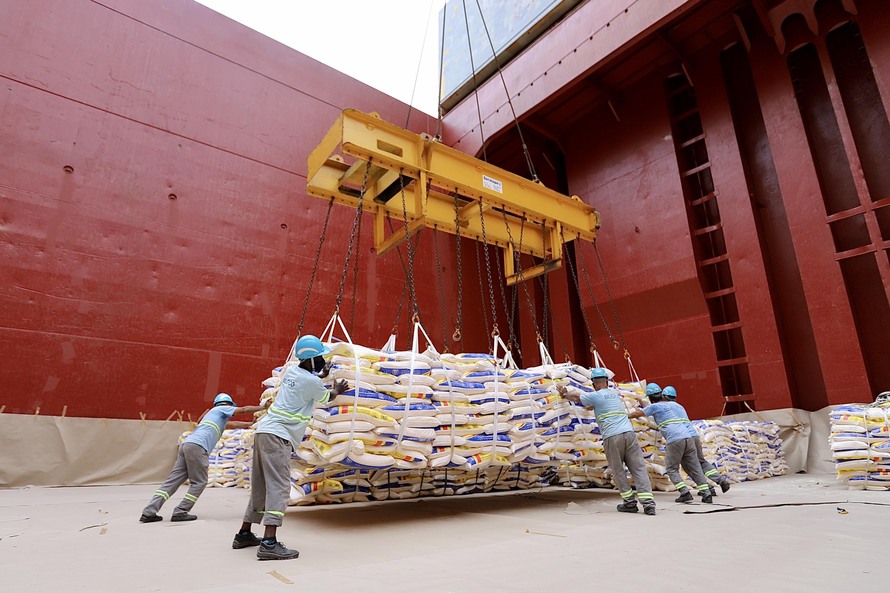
(860, 445)
(425, 424)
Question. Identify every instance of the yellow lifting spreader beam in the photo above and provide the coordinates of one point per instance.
(443, 187)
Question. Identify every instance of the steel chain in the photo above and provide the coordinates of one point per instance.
(574, 274)
(518, 266)
(596, 306)
(441, 291)
(410, 249)
(481, 289)
(500, 273)
(352, 234)
(494, 317)
(355, 267)
(611, 301)
(324, 230)
(457, 336)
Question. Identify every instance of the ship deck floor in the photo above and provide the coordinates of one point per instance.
(89, 539)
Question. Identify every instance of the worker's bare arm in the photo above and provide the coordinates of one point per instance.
(238, 424)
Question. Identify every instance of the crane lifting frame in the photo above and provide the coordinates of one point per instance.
(442, 188)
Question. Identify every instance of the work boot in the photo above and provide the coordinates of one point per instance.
(724, 485)
(245, 540)
(711, 491)
(183, 517)
(150, 518)
(628, 506)
(686, 496)
(275, 551)
(649, 509)
(707, 499)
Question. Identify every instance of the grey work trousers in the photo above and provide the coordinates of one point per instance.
(269, 480)
(192, 462)
(683, 453)
(624, 450)
(706, 466)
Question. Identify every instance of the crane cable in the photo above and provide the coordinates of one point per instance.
(419, 63)
(525, 152)
(475, 84)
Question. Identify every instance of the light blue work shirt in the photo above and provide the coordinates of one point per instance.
(611, 415)
(210, 427)
(672, 421)
(292, 410)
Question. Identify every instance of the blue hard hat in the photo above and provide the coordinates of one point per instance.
(653, 389)
(309, 347)
(223, 398)
(669, 392)
(599, 373)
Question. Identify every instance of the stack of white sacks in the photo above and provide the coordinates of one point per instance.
(743, 450)
(424, 424)
(860, 445)
(229, 462)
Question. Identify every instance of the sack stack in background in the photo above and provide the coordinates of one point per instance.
(424, 424)
(742, 450)
(860, 444)
(229, 462)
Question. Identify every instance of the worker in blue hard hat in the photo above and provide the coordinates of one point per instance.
(193, 459)
(711, 472)
(678, 433)
(619, 441)
(277, 436)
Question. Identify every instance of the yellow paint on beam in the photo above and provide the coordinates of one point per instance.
(413, 176)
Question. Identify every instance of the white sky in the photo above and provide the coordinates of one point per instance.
(389, 34)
